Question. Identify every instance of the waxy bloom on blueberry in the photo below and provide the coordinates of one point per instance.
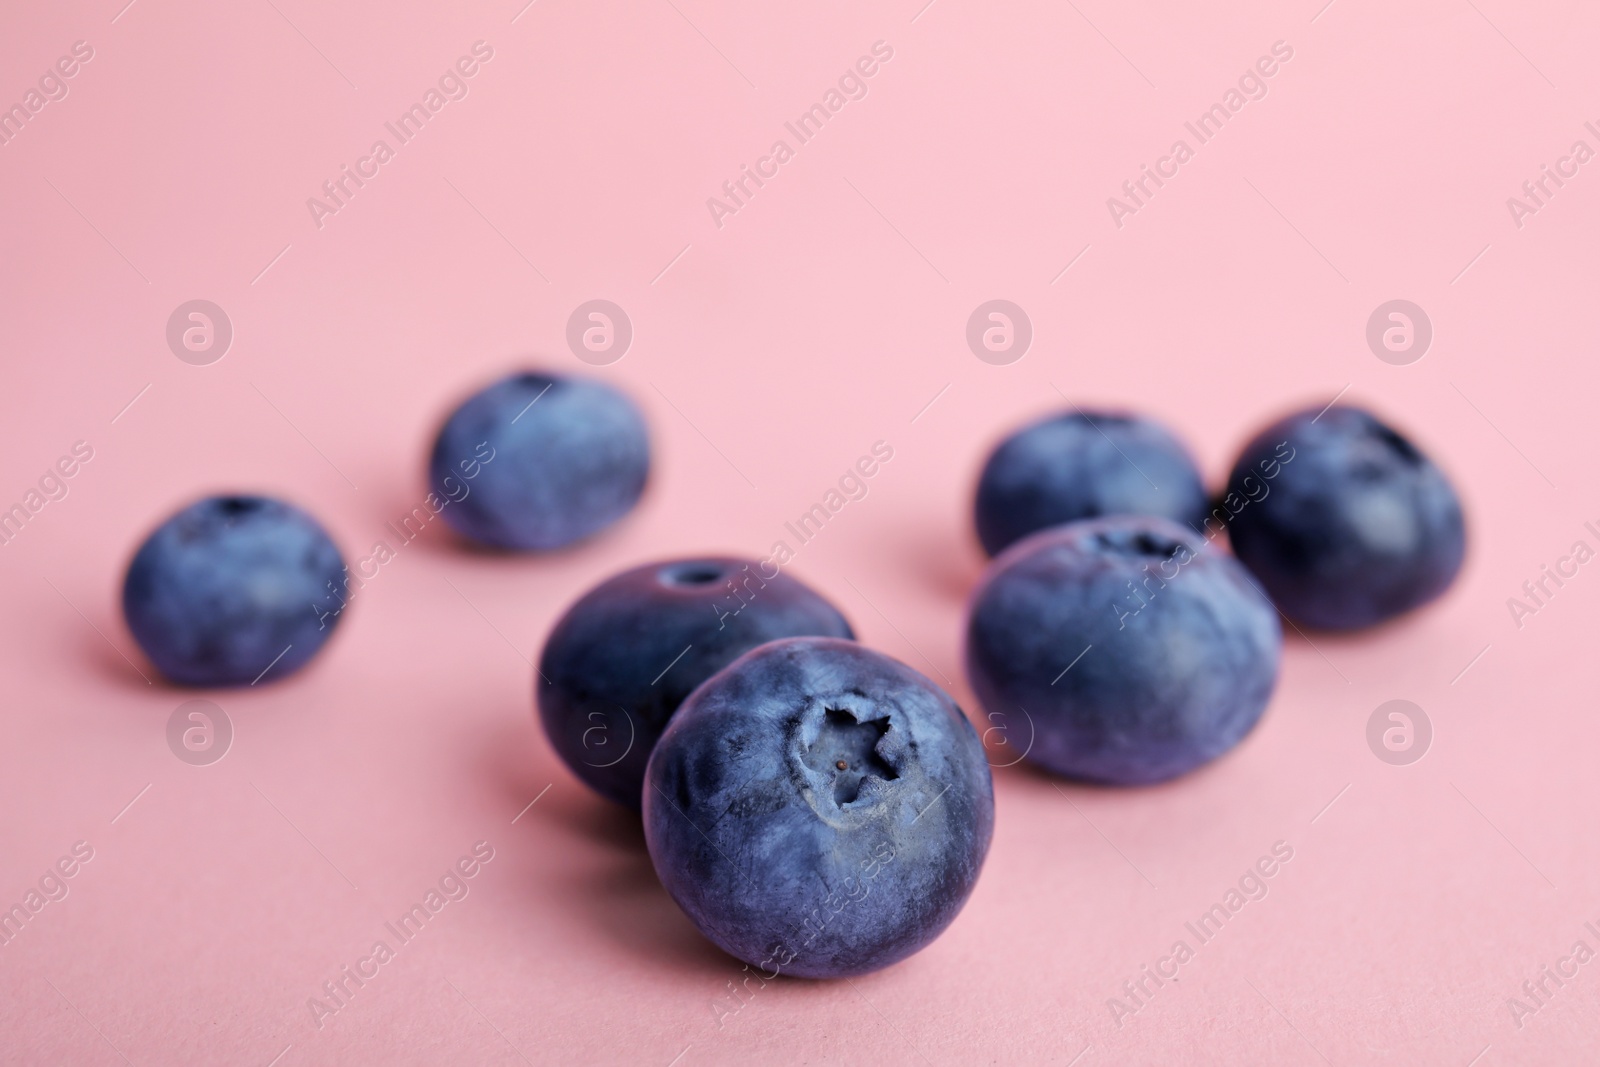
(570, 457)
(232, 590)
(621, 660)
(1082, 465)
(1358, 526)
(1135, 650)
(818, 809)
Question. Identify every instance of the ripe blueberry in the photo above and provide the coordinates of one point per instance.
(1081, 465)
(627, 653)
(233, 585)
(1353, 524)
(538, 461)
(818, 809)
(1136, 652)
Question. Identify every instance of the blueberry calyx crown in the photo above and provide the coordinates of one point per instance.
(535, 380)
(1137, 543)
(233, 506)
(844, 755)
(691, 573)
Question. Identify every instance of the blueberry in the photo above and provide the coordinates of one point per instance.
(538, 461)
(621, 660)
(231, 586)
(1082, 465)
(1344, 521)
(818, 809)
(1135, 651)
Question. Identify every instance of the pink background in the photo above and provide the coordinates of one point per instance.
(771, 353)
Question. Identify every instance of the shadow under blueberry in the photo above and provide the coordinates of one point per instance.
(622, 899)
(1057, 785)
(111, 664)
(126, 666)
(516, 760)
(405, 523)
(616, 893)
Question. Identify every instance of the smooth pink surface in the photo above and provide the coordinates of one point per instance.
(823, 316)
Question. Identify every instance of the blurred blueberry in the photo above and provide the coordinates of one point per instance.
(538, 461)
(1137, 652)
(818, 809)
(233, 585)
(1344, 521)
(621, 660)
(1082, 465)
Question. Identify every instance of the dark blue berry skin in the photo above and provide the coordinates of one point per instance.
(218, 592)
(621, 660)
(543, 460)
(1182, 649)
(1082, 465)
(786, 860)
(1357, 526)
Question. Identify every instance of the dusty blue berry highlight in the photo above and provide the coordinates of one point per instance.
(233, 590)
(818, 809)
(1136, 651)
(620, 660)
(1357, 526)
(1083, 465)
(538, 461)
